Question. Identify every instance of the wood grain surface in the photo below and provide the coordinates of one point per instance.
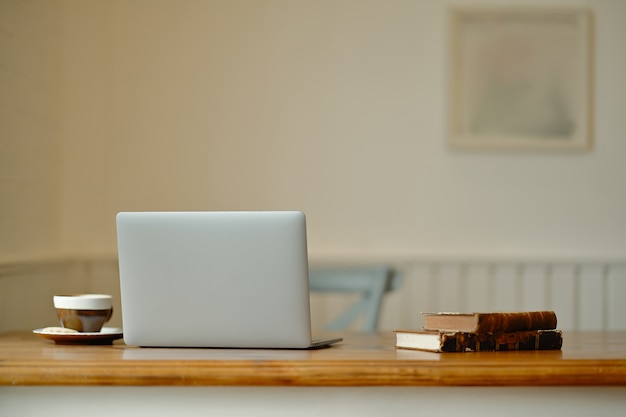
(587, 358)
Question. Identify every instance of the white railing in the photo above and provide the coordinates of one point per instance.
(584, 294)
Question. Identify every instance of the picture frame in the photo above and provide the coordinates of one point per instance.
(520, 78)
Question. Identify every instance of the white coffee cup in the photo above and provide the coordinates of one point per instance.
(83, 312)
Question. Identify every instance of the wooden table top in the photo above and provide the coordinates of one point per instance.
(587, 358)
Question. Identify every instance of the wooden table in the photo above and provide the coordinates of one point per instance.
(589, 372)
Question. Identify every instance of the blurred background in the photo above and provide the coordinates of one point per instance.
(333, 107)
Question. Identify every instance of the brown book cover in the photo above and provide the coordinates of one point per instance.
(434, 341)
(494, 322)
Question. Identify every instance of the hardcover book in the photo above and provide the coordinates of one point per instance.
(435, 341)
(495, 322)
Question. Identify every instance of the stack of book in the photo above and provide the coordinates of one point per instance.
(461, 332)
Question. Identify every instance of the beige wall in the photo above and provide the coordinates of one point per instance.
(334, 107)
(31, 148)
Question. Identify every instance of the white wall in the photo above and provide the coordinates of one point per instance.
(333, 107)
(104, 401)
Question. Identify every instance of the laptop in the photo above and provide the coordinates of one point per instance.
(215, 279)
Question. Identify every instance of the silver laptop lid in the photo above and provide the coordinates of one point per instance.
(214, 279)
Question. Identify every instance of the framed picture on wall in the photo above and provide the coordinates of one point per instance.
(520, 78)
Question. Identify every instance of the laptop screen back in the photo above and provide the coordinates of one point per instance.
(214, 279)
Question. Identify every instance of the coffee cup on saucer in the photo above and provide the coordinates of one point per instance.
(85, 313)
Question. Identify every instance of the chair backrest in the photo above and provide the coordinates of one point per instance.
(372, 282)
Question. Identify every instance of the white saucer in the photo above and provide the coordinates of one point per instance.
(104, 337)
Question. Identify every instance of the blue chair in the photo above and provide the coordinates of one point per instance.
(372, 282)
